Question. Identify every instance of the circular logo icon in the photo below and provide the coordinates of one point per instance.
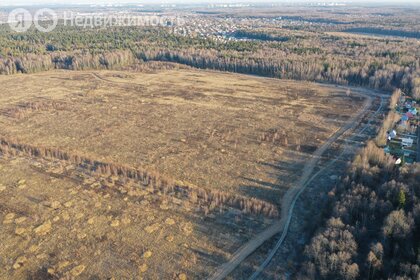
(48, 18)
(20, 20)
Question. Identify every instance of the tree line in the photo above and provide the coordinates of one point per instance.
(208, 199)
(315, 56)
(371, 227)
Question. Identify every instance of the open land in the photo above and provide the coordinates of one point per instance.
(215, 130)
(235, 134)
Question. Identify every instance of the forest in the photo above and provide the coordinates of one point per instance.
(389, 32)
(380, 63)
(371, 223)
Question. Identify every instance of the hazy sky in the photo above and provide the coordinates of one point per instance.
(30, 2)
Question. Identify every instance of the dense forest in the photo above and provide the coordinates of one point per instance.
(386, 32)
(256, 35)
(371, 225)
(315, 56)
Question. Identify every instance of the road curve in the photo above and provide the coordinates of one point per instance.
(289, 200)
(283, 237)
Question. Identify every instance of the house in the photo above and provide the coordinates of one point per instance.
(407, 142)
(391, 134)
(409, 115)
(402, 125)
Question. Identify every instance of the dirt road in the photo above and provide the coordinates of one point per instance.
(270, 256)
(289, 200)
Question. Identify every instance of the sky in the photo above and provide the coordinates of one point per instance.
(48, 2)
(36, 2)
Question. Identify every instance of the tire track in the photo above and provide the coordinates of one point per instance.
(289, 200)
(272, 253)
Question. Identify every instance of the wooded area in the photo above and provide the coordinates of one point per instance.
(380, 63)
(372, 223)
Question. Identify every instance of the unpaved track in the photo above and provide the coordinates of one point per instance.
(328, 166)
(289, 200)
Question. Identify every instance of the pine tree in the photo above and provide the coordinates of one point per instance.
(401, 199)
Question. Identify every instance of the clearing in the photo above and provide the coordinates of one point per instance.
(74, 147)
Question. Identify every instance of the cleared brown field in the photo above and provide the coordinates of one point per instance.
(54, 226)
(234, 134)
(215, 130)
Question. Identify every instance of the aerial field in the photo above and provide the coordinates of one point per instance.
(215, 130)
(241, 139)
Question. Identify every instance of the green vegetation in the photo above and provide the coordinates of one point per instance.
(377, 63)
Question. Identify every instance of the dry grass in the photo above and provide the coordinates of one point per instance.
(202, 127)
(57, 224)
(234, 134)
